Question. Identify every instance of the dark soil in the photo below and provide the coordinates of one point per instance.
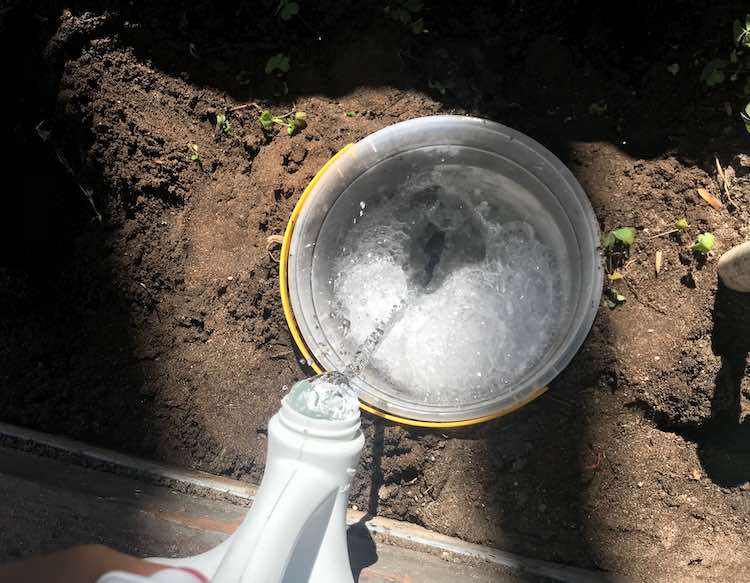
(158, 330)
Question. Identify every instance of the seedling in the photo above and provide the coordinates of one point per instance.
(718, 70)
(742, 33)
(287, 9)
(223, 123)
(407, 12)
(625, 235)
(297, 123)
(350, 114)
(195, 155)
(704, 243)
(294, 121)
(745, 115)
(679, 226)
(612, 298)
(278, 64)
(616, 245)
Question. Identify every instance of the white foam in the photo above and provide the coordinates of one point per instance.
(477, 325)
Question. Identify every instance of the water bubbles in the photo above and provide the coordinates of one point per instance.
(473, 326)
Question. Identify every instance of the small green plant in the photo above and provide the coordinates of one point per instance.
(287, 9)
(616, 246)
(742, 32)
(294, 121)
(704, 243)
(681, 224)
(350, 114)
(625, 235)
(297, 123)
(407, 12)
(277, 64)
(195, 155)
(718, 70)
(745, 114)
(612, 298)
(223, 123)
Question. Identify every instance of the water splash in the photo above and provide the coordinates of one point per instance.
(327, 396)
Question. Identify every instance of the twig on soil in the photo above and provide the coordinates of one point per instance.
(664, 234)
(244, 106)
(723, 182)
(44, 135)
(273, 241)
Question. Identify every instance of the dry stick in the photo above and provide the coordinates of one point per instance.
(664, 234)
(724, 184)
(244, 106)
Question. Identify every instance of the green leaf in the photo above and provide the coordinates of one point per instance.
(625, 235)
(745, 115)
(288, 9)
(266, 119)
(296, 125)
(742, 33)
(350, 114)
(278, 62)
(612, 298)
(713, 72)
(704, 243)
(608, 240)
(681, 224)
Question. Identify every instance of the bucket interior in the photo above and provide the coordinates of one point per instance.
(471, 247)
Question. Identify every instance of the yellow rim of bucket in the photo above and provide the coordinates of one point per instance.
(299, 341)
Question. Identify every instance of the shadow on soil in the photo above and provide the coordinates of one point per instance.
(724, 443)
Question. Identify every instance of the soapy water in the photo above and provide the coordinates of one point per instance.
(443, 299)
(327, 396)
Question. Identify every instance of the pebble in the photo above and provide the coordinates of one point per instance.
(734, 268)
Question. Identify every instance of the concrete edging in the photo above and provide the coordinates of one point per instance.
(396, 531)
